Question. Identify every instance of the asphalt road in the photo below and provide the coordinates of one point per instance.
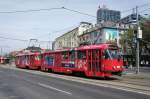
(22, 85)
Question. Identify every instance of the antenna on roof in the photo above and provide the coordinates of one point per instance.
(99, 6)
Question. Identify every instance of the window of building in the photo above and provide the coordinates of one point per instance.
(87, 37)
(95, 34)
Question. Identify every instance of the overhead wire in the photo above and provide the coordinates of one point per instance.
(30, 10)
(23, 40)
(13, 39)
(48, 9)
(78, 12)
(144, 10)
(139, 6)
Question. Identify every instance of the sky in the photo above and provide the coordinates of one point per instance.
(47, 25)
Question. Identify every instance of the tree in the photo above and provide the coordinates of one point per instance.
(128, 43)
(127, 40)
(145, 26)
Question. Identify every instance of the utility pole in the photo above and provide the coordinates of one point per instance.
(139, 36)
(50, 45)
(49, 42)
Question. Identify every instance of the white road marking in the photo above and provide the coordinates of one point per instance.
(53, 88)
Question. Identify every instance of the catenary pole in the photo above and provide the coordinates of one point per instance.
(137, 48)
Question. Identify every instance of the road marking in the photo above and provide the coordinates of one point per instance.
(53, 88)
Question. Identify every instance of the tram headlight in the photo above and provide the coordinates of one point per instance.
(118, 66)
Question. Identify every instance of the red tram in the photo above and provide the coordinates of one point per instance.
(28, 60)
(101, 60)
(4, 60)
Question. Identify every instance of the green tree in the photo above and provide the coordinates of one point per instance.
(145, 26)
(127, 40)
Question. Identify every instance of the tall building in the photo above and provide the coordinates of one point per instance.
(104, 15)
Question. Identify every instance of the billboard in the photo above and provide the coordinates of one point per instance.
(111, 35)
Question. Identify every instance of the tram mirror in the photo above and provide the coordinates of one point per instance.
(105, 55)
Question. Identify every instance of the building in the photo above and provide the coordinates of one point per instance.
(67, 40)
(104, 15)
(103, 33)
(131, 19)
(70, 39)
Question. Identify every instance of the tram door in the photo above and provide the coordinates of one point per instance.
(94, 61)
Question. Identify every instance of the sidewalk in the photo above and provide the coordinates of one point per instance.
(141, 75)
(144, 73)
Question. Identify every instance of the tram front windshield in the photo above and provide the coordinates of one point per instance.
(111, 54)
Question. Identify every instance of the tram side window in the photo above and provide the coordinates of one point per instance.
(72, 55)
(65, 55)
(49, 60)
(81, 54)
(37, 57)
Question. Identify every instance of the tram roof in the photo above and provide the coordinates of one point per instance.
(58, 50)
(29, 53)
(3, 58)
(97, 46)
(85, 47)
